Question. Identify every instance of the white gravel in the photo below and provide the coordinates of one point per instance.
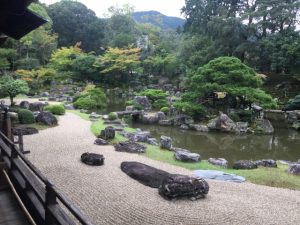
(108, 196)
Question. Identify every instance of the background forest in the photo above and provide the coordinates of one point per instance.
(117, 51)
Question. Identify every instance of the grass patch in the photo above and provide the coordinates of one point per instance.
(274, 177)
(99, 125)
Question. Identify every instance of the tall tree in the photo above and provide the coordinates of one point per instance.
(241, 28)
(119, 64)
(9, 87)
(121, 28)
(74, 22)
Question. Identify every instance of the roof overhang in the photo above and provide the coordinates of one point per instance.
(16, 20)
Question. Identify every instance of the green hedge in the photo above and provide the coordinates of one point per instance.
(112, 116)
(25, 116)
(165, 110)
(56, 109)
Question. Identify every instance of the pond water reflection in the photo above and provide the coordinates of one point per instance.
(283, 144)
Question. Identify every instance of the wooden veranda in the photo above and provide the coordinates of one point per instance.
(26, 195)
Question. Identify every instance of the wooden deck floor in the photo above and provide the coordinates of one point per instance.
(10, 211)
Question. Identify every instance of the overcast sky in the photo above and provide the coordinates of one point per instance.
(167, 7)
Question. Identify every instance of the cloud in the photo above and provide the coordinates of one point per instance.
(169, 8)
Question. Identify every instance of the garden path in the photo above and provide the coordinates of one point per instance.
(108, 196)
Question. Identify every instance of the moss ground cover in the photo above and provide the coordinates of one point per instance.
(274, 177)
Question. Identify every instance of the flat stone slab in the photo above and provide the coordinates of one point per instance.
(218, 175)
(130, 146)
(147, 175)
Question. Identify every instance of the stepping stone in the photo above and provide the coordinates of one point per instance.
(92, 159)
(218, 175)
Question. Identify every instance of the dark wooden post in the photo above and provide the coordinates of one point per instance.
(7, 124)
(50, 200)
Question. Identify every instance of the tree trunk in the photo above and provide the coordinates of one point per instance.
(11, 100)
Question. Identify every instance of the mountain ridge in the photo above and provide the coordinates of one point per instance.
(158, 19)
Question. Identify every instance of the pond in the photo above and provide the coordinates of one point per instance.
(283, 144)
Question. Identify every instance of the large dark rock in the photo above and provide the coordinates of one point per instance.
(166, 142)
(36, 106)
(199, 127)
(222, 123)
(242, 127)
(266, 163)
(186, 156)
(25, 131)
(142, 136)
(294, 168)
(160, 116)
(92, 159)
(263, 126)
(183, 187)
(25, 104)
(292, 116)
(152, 141)
(130, 146)
(165, 122)
(46, 118)
(100, 141)
(150, 119)
(244, 165)
(182, 119)
(145, 174)
(142, 101)
(108, 133)
(218, 162)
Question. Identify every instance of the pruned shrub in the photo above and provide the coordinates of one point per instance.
(56, 109)
(165, 110)
(293, 104)
(154, 94)
(130, 102)
(190, 109)
(160, 103)
(25, 116)
(112, 116)
(92, 99)
(85, 103)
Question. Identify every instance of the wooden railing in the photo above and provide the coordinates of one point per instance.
(47, 205)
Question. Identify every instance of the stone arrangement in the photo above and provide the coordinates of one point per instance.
(165, 142)
(92, 159)
(170, 186)
(108, 133)
(130, 147)
(46, 118)
(186, 156)
(218, 162)
(266, 163)
(244, 165)
(294, 168)
(184, 187)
